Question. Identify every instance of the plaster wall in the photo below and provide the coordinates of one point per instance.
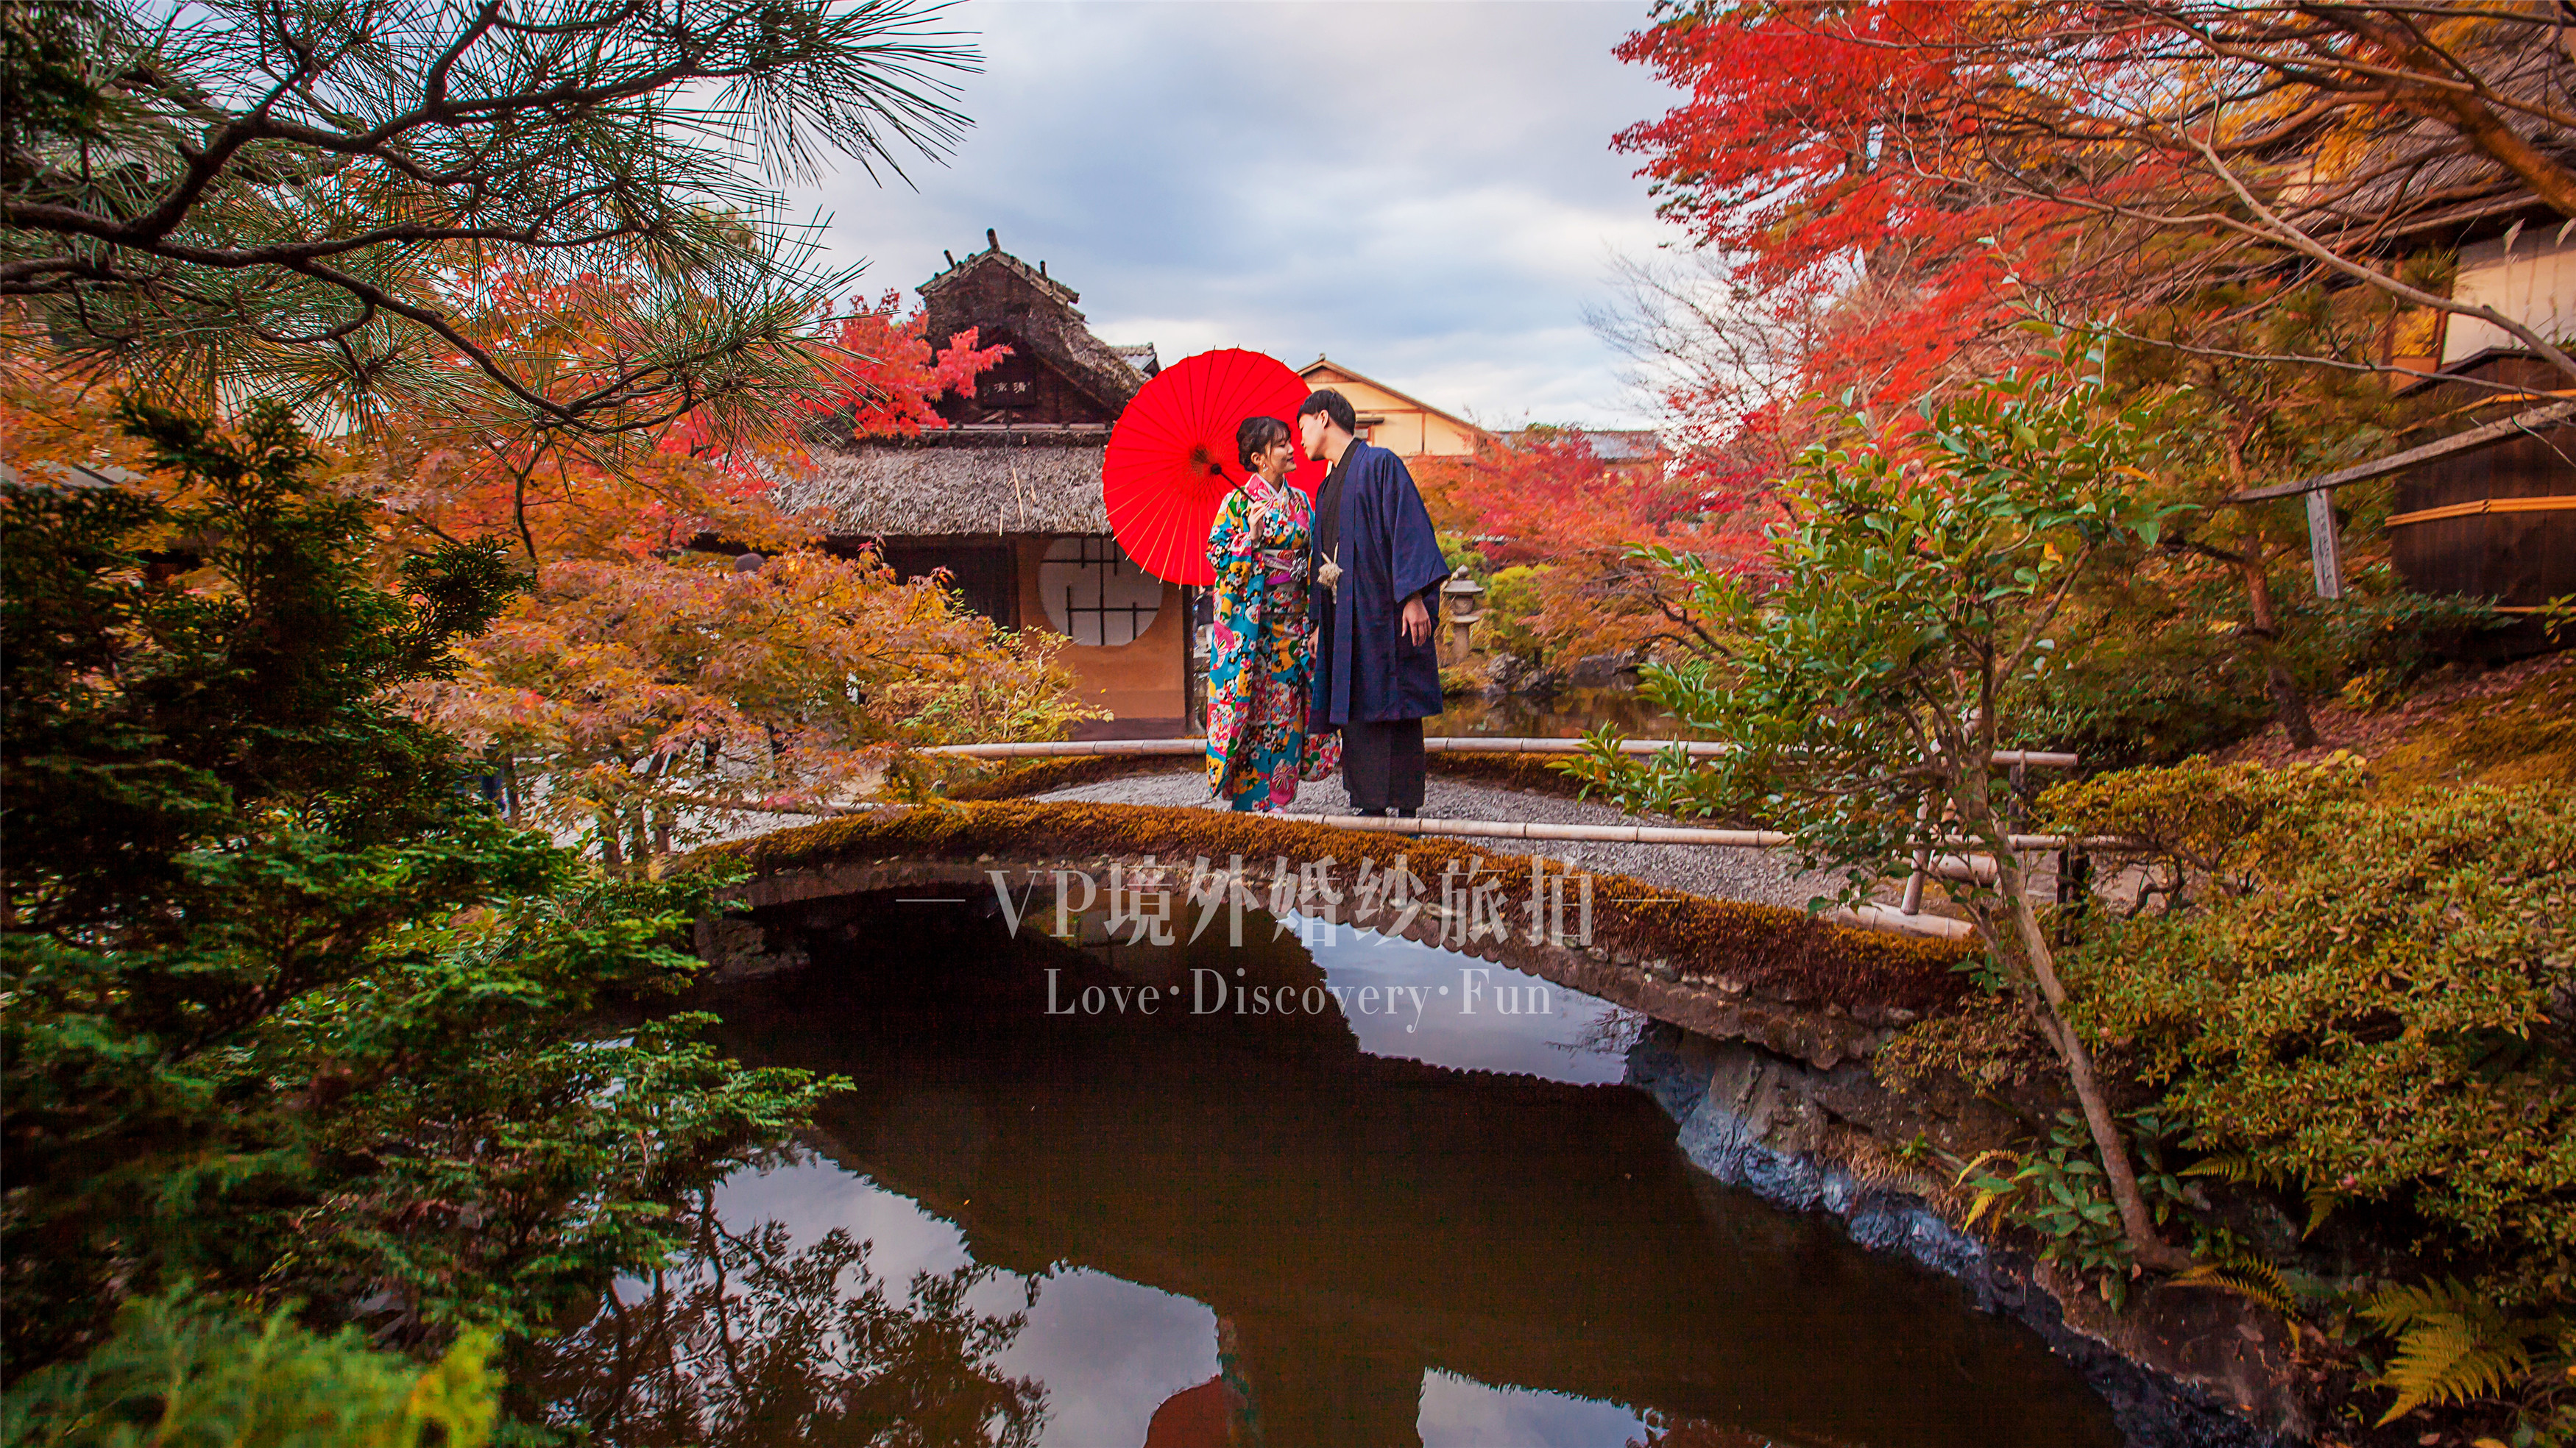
(1406, 427)
(1146, 679)
(2533, 282)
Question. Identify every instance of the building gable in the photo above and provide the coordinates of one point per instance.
(1058, 373)
(1394, 420)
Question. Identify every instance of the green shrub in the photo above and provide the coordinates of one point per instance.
(2201, 828)
(1989, 1042)
(2375, 997)
(2391, 637)
(2145, 691)
(290, 1012)
(2057, 1191)
(2153, 681)
(181, 1373)
(1512, 610)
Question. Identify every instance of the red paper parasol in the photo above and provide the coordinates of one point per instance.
(1172, 459)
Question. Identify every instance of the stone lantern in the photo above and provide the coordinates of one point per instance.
(1463, 601)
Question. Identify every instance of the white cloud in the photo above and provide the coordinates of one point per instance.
(1425, 191)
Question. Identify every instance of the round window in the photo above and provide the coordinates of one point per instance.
(1095, 594)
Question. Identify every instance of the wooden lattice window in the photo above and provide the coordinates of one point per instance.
(1095, 594)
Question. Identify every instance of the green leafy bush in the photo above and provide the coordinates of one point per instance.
(290, 1013)
(2155, 678)
(2146, 682)
(1513, 614)
(181, 1372)
(2376, 997)
(2392, 635)
(1989, 1042)
(2057, 1191)
(2202, 829)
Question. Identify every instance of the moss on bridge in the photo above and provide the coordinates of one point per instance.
(1764, 950)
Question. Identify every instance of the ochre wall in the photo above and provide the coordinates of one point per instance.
(1410, 429)
(1146, 679)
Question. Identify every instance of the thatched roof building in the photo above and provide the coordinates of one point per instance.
(962, 481)
(1005, 500)
(1021, 456)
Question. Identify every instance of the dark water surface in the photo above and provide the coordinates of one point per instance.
(1411, 1218)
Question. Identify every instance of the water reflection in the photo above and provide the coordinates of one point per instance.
(1474, 1016)
(754, 1339)
(1319, 1228)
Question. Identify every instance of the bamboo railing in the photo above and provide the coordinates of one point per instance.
(1437, 744)
(1966, 858)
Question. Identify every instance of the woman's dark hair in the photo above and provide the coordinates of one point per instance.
(1254, 435)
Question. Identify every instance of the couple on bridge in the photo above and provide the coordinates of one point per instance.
(1322, 648)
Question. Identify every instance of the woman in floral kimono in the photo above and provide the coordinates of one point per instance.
(1262, 657)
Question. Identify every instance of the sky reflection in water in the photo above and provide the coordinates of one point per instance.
(1111, 1351)
(1446, 1228)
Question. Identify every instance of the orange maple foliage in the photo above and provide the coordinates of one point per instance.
(474, 471)
(643, 694)
(656, 703)
(649, 695)
(49, 421)
(1545, 501)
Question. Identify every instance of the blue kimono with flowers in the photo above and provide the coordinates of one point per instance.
(1262, 656)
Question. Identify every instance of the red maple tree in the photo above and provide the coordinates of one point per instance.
(1544, 499)
(481, 469)
(1926, 168)
(1813, 151)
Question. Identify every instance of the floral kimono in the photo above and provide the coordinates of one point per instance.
(1262, 657)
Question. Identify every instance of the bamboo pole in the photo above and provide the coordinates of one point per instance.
(1883, 917)
(1439, 744)
(1922, 860)
(1660, 834)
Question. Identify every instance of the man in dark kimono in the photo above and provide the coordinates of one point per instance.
(1377, 571)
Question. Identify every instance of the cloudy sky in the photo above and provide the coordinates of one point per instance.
(1425, 191)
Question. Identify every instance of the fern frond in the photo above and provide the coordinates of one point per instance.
(2452, 1344)
(2398, 1306)
(1988, 1196)
(2450, 1362)
(2246, 1169)
(1981, 1158)
(2243, 1168)
(2248, 1277)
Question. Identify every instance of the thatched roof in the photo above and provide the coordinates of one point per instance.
(959, 481)
(1020, 305)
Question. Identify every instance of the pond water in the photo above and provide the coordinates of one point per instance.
(1413, 1207)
